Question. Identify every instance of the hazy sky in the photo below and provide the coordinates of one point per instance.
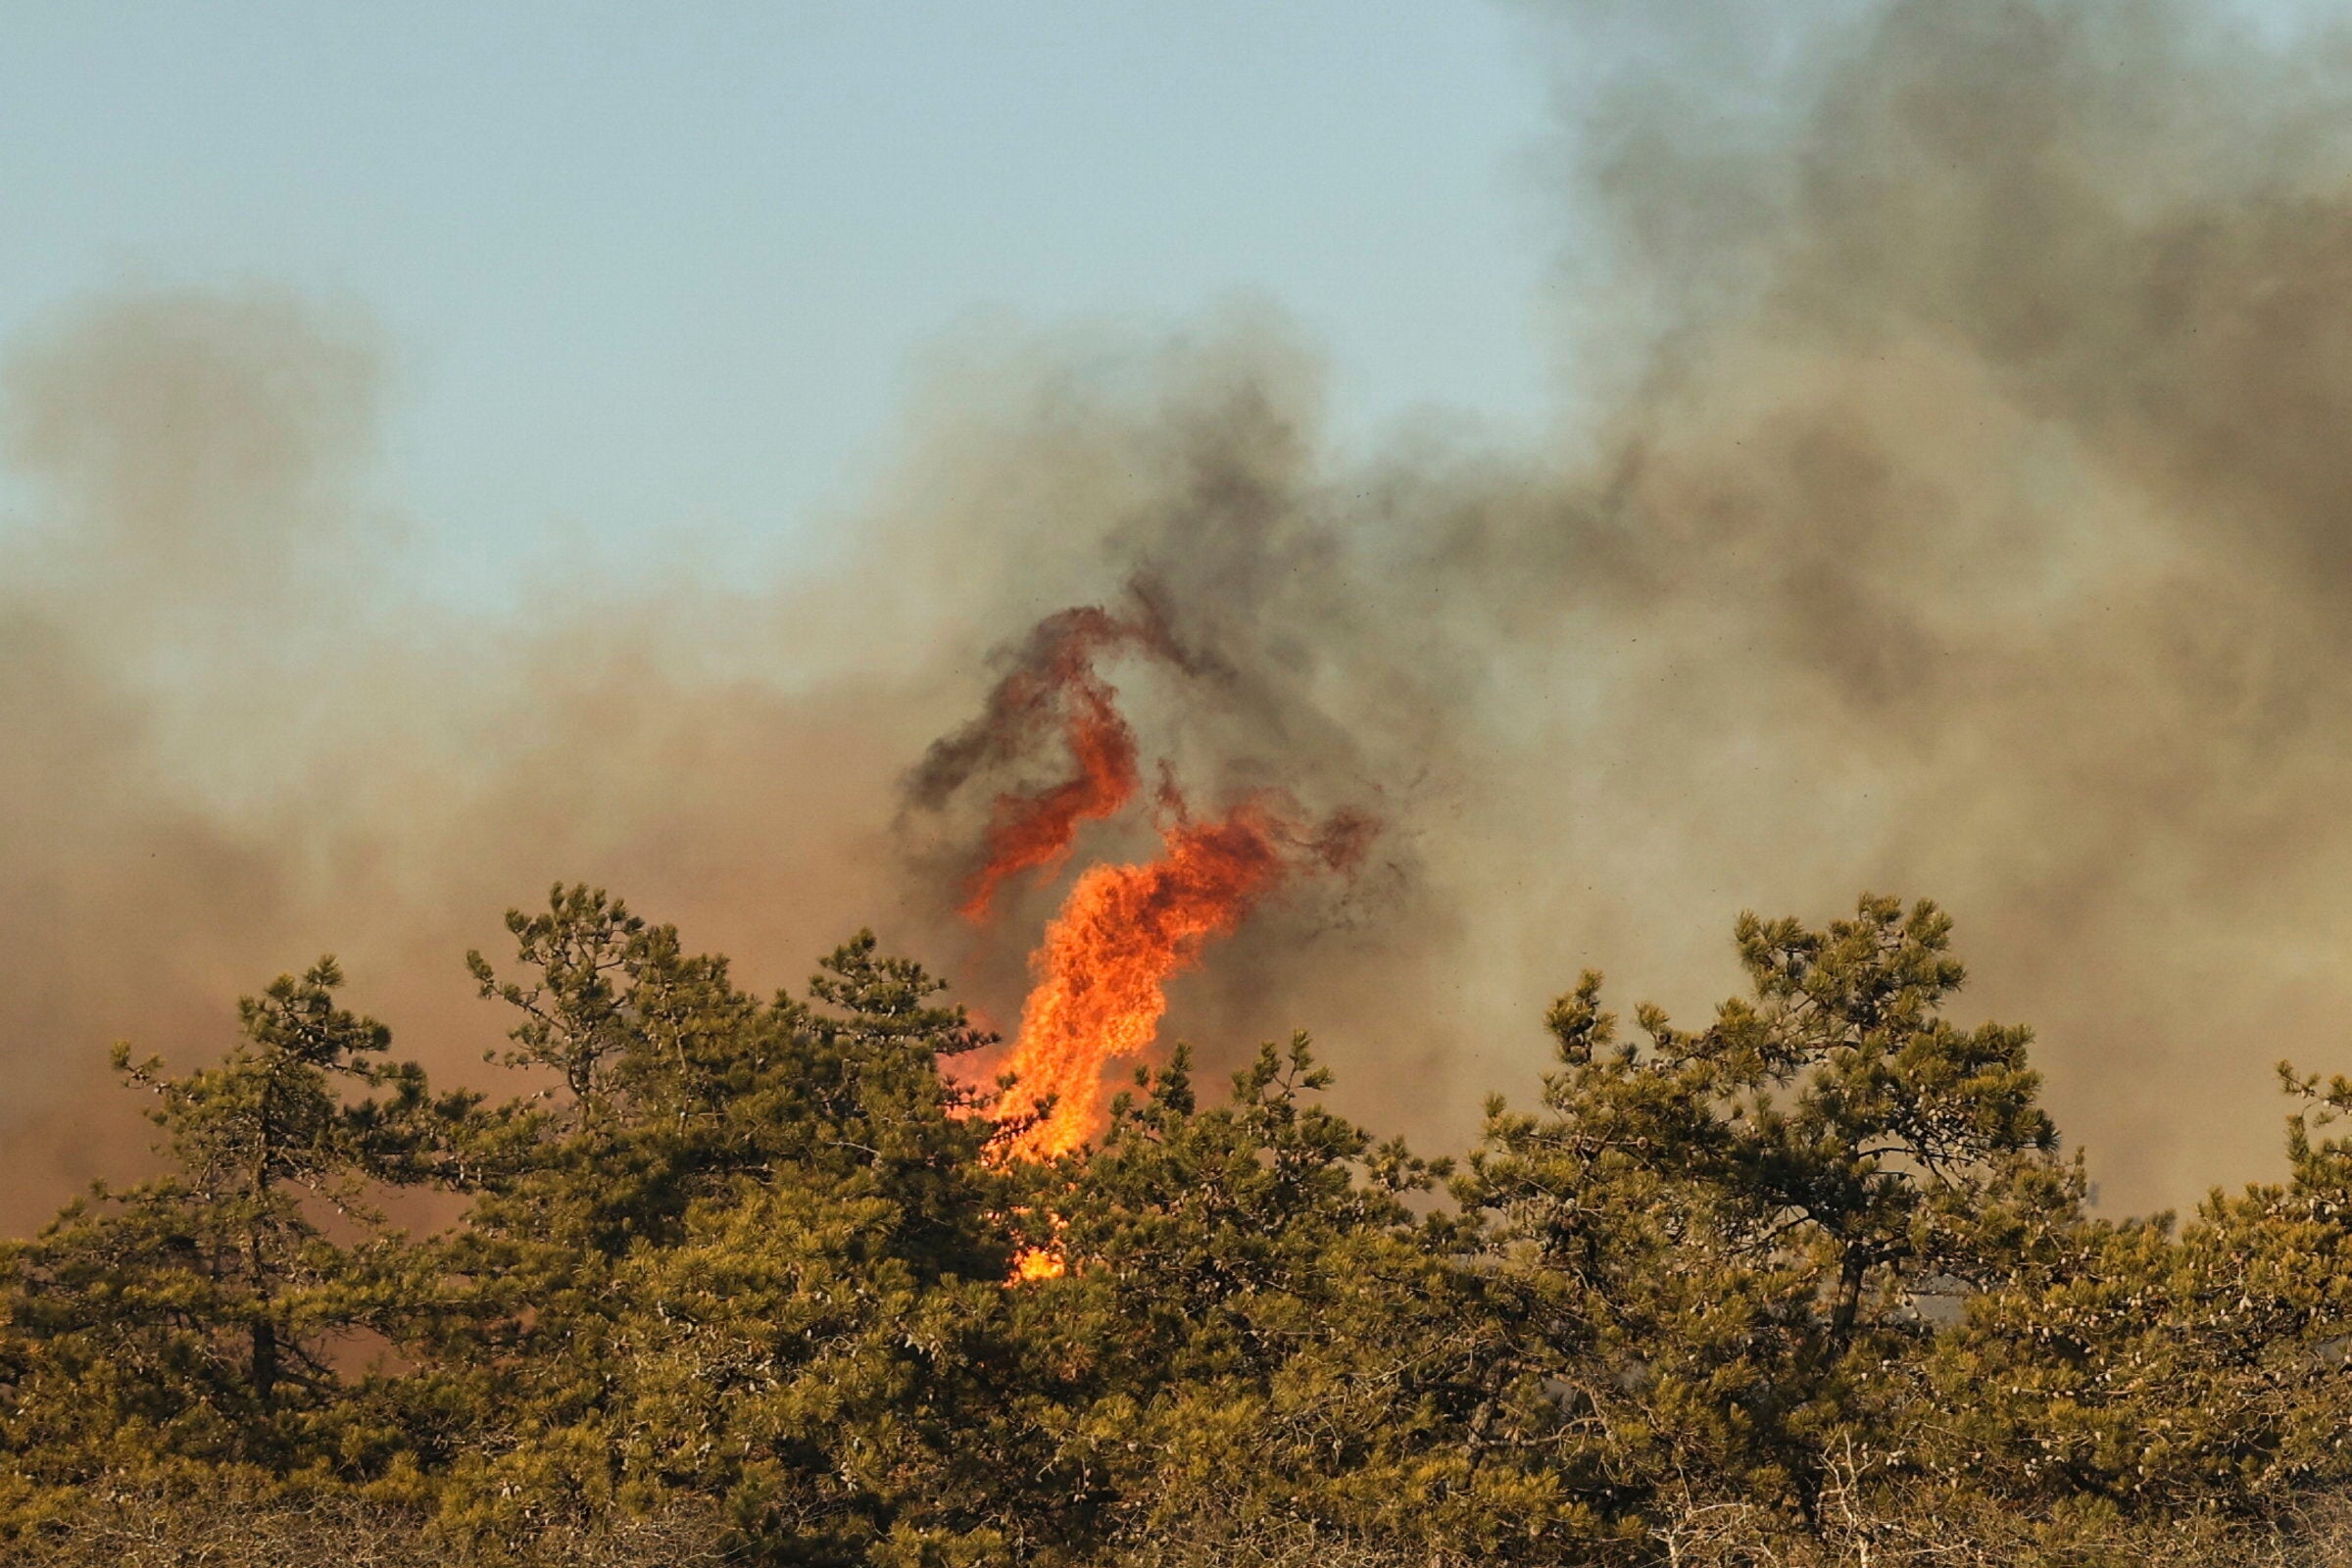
(1944, 497)
(644, 268)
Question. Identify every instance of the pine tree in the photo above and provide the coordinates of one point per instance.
(196, 1317)
(1255, 1346)
(1719, 1246)
(738, 1248)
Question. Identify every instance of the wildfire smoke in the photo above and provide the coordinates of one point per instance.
(1054, 682)
(1946, 500)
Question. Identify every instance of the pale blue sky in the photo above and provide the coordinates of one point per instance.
(671, 266)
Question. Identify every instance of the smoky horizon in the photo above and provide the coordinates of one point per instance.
(1941, 496)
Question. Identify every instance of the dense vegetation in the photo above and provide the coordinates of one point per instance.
(738, 1280)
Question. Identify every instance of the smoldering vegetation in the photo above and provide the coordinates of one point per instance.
(1947, 499)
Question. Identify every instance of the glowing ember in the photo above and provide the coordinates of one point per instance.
(1037, 1263)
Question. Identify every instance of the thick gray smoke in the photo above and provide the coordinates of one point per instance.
(1951, 503)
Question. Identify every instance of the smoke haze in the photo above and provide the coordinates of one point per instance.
(1948, 500)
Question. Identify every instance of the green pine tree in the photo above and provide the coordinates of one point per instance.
(204, 1317)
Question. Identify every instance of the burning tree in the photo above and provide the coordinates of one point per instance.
(1123, 931)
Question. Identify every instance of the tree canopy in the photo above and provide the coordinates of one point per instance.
(740, 1278)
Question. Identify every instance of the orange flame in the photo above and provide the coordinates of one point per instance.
(1029, 831)
(1038, 1263)
(1052, 685)
(1108, 955)
(1124, 930)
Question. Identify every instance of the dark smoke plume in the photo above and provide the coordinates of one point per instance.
(1051, 691)
(1949, 500)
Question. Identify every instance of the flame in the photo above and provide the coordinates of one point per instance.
(1038, 1263)
(1124, 930)
(1108, 955)
(1027, 832)
(1053, 683)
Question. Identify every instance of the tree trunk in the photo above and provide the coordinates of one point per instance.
(264, 1362)
(1849, 1299)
